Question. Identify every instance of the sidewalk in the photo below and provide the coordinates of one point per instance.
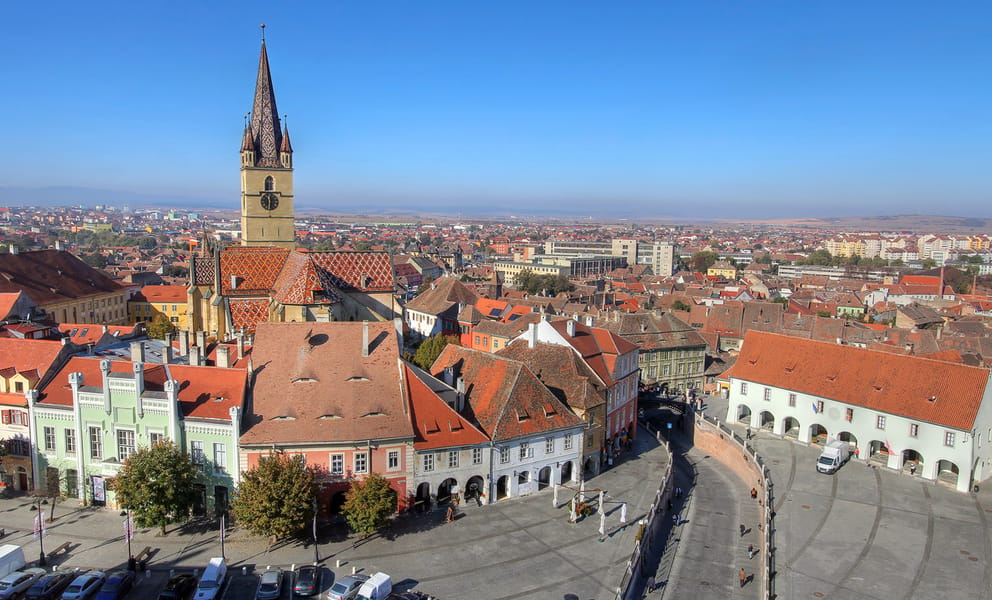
(520, 547)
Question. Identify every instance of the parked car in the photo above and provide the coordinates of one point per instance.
(117, 585)
(346, 588)
(50, 586)
(14, 584)
(179, 587)
(84, 586)
(212, 579)
(307, 580)
(269, 585)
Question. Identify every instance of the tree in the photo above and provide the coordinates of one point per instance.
(701, 261)
(160, 326)
(368, 504)
(275, 498)
(679, 305)
(929, 263)
(156, 484)
(431, 348)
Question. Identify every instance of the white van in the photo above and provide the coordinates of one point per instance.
(11, 559)
(212, 579)
(834, 455)
(377, 587)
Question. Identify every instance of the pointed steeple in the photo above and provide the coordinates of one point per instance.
(286, 146)
(265, 129)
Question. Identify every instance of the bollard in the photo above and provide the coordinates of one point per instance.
(354, 570)
(337, 564)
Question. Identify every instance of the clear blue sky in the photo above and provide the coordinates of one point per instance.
(732, 109)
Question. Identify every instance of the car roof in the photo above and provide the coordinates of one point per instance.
(356, 577)
(271, 574)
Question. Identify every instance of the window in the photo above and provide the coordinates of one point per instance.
(196, 454)
(18, 447)
(948, 438)
(269, 184)
(155, 437)
(70, 441)
(549, 445)
(504, 455)
(849, 414)
(768, 394)
(125, 444)
(393, 460)
(428, 462)
(49, 439)
(19, 387)
(452, 459)
(819, 407)
(792, 400)
(476, 456)
(495, 343)
(526, 451)
(476, 340)
(914, 429)
(15, 417)
(96, 443)
(880, 422)
(744, 388)
(568, 442)
(361, 462)
(337, 464)
(220, 458)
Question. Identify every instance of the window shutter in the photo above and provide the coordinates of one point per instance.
(6, 417)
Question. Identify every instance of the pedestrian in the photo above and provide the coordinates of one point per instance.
(678, 492)
(748, 433)
(750, 551)
(650, 583)
(754, 493)
(912, 469)
(743, 529)
(742, 576)
(675, 519)
(450, 516)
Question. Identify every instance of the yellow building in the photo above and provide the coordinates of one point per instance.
(169, 301)
(722, 268)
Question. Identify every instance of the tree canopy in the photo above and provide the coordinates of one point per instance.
(549, 285)
(701, 261)
(160, 326)
(368, 504)
(431, 348)
(157, 485)
(275, 498)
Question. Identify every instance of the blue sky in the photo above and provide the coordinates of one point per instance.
(704, 109)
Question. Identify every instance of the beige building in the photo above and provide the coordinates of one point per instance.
(168, 301)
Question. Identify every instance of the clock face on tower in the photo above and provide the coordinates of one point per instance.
(270, 201)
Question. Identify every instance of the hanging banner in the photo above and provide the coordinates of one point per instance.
(128, 525)
(40, 526)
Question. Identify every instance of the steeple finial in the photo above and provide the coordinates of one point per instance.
(263, 32)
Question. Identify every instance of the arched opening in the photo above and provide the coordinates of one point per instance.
(767, 420)
(566, 471)
(947, 473)
(502, 485)
(523, 477)
(270, 184)
(444, 490)
(878, 452)
(337, 501)
(544, 478)
(850, 438)
(422, 500)
(912, 461)
(474, 489)
(22, 479)
(199, 500)
(790, 428)
(817, 434)
(743, 414)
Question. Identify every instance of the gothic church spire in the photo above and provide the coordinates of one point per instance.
(265, 127)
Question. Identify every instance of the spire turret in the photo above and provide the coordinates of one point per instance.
(265, 130)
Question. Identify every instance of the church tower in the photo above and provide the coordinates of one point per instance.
(266, 169)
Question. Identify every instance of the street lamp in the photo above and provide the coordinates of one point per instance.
(128, 533)
(36, 505)
(316, 555)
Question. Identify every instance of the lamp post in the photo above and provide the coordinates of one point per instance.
(316, 555)
(39, 527)
(128, 534)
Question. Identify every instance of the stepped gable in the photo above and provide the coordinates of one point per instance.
(246, 314)
(435, 423)
(503, 397)
(443, 295)
(356, 271)
(917, 388)
(561, 370)
(312, 384)
(255, 269)
(48, 276)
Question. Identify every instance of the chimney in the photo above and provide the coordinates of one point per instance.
(194, 356)
(183, 343)
(532, 335)
(65, 341)
(167, 349)
(460, 396)
(589, 320)
(223, 356)
(241, 345)
(365, 339)
(570, 328)
(137, 352)
(201, 341)
(139, 385)
(105, 380)
(234, 282)
(13, 249)
(449, 375)
(105, 329)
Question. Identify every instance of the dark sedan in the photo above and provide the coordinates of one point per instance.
(51, 586)
(307, 581)
(117, 585)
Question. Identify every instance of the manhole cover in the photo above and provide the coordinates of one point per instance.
(806, 506)
(965, 552)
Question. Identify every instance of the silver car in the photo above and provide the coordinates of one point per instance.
(16, 583)
(346, 588)
(84, 586)
(269, 585)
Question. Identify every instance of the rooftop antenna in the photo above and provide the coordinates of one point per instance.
(263, 32)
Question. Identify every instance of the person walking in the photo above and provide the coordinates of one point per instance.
(650, 584)
(743, 529)
(750, 551)
(742, 576)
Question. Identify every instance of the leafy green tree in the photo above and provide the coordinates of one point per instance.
(147, 243)
(175, 270)
(156, 484)
(431, 348)
(823, 313)
(929, 263)
(782, 300)
(701, 261)
(275, 498)
(819, 257)
(679, 305)
(96, 260)
(368, 504)
(159, 327)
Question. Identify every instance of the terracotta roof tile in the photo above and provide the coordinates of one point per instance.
(48, 276)
(161, 293)
(435, 423)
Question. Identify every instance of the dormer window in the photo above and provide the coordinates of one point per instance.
(270, 184)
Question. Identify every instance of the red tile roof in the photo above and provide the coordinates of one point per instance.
(917, 388)
(161, 293)
(599, 348)
(89, 332)
(7, 302)
(49, 276)
(247, 314)
(31, 358)
(435, 424)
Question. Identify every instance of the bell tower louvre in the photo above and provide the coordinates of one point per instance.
(267, 217)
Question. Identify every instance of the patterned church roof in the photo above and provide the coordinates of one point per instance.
(357, 271)
(265, 131)
(246, 314)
